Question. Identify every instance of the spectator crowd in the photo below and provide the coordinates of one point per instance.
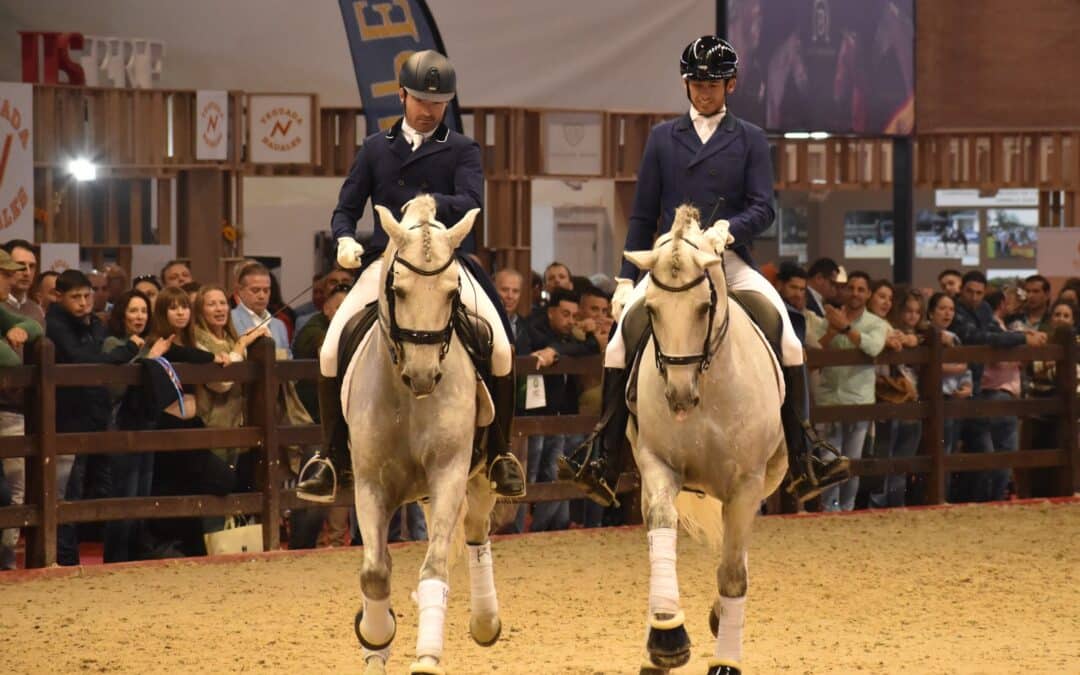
(155, 321)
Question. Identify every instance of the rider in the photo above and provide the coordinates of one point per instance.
(418, 154)
(721, 165)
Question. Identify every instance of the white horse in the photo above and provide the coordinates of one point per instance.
(708, 418)
(413, 401)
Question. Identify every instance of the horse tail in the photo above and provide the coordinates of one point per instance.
(702, 517)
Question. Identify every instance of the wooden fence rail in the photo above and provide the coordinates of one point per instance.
(42, 512)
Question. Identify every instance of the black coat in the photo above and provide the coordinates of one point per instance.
(978, 327)
(560, 391)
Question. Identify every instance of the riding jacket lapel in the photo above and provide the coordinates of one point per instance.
(684, 133)
(721, 138)
(433, 145)
(397, 142)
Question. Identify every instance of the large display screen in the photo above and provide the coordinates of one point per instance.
(838, 66)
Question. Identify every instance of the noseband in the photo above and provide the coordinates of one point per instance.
(398, 335)
(710, 345)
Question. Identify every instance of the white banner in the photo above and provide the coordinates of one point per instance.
(16, 161)
(1058, 253)
(968, 198)
(280, 129)
(212, 140)
(573, 143)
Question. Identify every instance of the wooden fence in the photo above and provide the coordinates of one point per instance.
(262, 374)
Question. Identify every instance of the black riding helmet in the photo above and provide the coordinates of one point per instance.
(428, 75)
(709, 58)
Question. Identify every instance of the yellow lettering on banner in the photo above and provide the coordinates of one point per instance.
(387, 27)
(390, 87)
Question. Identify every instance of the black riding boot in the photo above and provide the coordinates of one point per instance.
(504, 470)
(596, 464)
(333, 460)
(814, 463)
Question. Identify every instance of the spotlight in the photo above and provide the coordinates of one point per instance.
(796, 135)
(82, 169)
(819, 135)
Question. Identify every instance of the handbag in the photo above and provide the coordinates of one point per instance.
(895, 388)
(235, 538)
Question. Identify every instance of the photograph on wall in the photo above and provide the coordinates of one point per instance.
(948, 234)
(868, 234)
(794, 232)
(1005, 278)
(841, 66)
(1011, 234)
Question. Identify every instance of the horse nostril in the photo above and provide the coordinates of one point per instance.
(406, 379)
(695, 400)
(438, 377)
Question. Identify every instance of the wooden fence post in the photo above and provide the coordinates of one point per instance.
(41, 467)
(933, 436)
(1067, 480)
(262, 412)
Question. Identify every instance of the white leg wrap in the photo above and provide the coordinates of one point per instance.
(729, 636)
(376, 625)
(663, 581)
(482, 598)
(432, 596)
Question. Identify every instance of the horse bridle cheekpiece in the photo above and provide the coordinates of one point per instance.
(399, 335)
(710, 345)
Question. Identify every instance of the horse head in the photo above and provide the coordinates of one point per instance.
(685, 303)
(421, 290)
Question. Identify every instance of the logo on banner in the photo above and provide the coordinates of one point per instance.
(14, 150)
(574, 133)
(213, 124)
(282, 137)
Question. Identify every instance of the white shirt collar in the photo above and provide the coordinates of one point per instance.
(411, 133)
(706, 125)
(13, 301)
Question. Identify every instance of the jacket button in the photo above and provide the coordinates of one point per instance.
(401, 182)
(423, 186)
(712, 172)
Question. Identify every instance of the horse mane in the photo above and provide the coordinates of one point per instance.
(687, 219)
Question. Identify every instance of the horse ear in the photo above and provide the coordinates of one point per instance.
(458, 232)
(390, 225)
(643, 260)
(705, 259)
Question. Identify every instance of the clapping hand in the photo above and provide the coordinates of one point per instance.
(161, 346)
(836, 317)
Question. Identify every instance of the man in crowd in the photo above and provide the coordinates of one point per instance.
(848, 327)
(176, 273)
(1035, 315)
(17, 330)
(950, 281)
(117, 280)
(508, 285)
(791, 284)
(46, 291)
(99, 284)
(821, 284)
(253, 295)
(554, 338)
(974, 324)
(22, 252)
(594, 315)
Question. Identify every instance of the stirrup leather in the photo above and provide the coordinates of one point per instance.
(588, 476)
(314, 463)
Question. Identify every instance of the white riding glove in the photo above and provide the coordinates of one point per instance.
(624, 288)
(349, 252)
(719, 236)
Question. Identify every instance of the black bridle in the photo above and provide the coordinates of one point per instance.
(399, 335)
(708, 349)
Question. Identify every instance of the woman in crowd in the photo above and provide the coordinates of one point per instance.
(956, 379)
(148, 285)
(898, 384)
(1000, 382)
(221, 404)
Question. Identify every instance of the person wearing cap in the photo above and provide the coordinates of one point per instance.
(720, 164)
(419, 154)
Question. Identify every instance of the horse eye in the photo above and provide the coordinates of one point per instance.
(451, 294)
(703, 310)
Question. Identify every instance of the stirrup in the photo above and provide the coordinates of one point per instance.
(316, 461)
(813, 482)
(516, 464)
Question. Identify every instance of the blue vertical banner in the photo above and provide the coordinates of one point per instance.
(382, 34)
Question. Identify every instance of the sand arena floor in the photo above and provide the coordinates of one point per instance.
(972, 589)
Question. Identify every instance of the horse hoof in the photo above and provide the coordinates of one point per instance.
(719, 667)
(367, 644)
(669, 647)
(426, 669)
(653, 670)
(375, 666)
(483, 633)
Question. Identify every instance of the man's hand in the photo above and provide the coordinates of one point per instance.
(837, 318)
(254, 334)
(17, 337)
(964, 391)
(587, 326)
(349, 252)
(545, 357)
(1035, 338)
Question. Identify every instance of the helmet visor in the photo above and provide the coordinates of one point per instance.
(429, 95)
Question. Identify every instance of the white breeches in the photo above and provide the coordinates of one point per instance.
(740, 277)
(366, 291)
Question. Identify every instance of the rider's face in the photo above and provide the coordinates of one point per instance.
(421, 114)
(709, 96)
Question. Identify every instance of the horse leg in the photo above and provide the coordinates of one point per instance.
(726, 618)
(668, 643)
(375, 624)
(447, 500)
(484, 624)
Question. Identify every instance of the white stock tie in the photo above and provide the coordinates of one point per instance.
(417, 140)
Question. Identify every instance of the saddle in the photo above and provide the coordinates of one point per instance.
(637, 331)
